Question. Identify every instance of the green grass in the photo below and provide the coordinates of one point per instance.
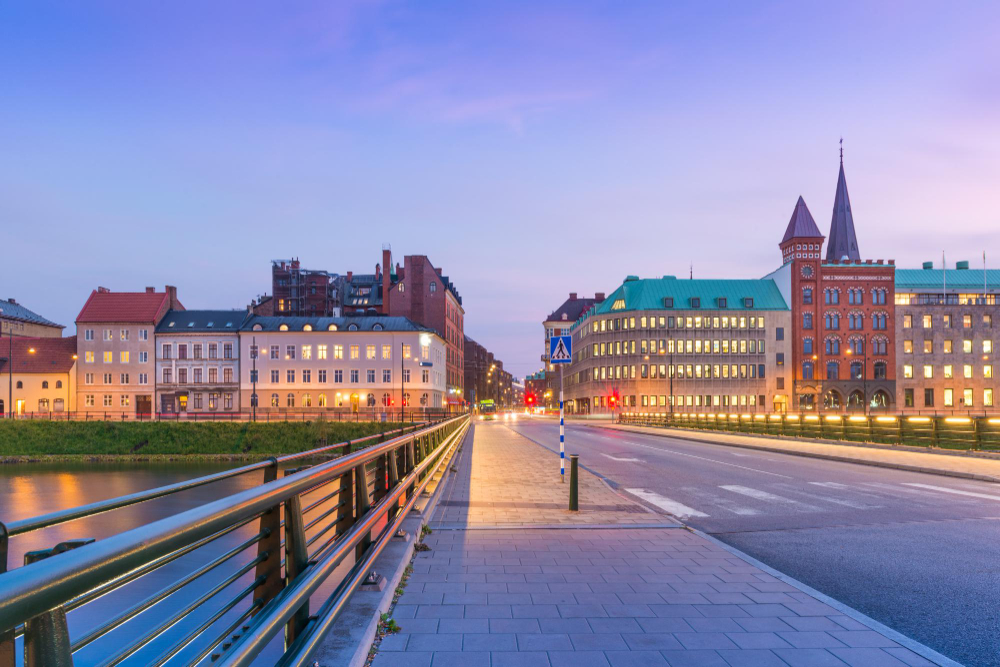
(146, 439)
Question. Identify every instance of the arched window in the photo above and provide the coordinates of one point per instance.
(371, 400)
(332, 327)
(290, 401)
(857, 345)
(58, 384)
(833, 346)
(833, 321)
(307, 400)
(45, 384)
(807, 346)
(807, 370)
(880, 399)
(880, 370)
(832, 370)
(832, 400)
(283, 327)
(423, 399)
(406, 400)
(856, 399)
(307, 327)
(377, 326)
(385, 400)
(274, 400)
(20, 385)
(322, 401)
(857, 370)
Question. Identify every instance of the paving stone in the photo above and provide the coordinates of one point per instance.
(520, 659)
(867, 657)
(752, 658)
(694, 659)
(811, 639)
(635, 658)
(808, 657)
(578, 659)
(598, 641)
(434, 642)
(403, 659)
(462, 625)
(489, 642)
(461, 659)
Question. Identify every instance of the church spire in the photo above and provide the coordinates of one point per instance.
(843, 242)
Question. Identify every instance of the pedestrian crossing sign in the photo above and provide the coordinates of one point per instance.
(560, 349)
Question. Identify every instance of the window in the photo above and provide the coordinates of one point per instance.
(213, 375)
(227, 375)
(908, 397)
(124, 378)
(807, 320)
(213, 350)
(988, 321)
(369, 352)
(143, 334)
(928, 347)
(307, 352)
(406, 351)
(290, 400)
(107, 378)
(988, 371)
(807, 296)
(143, 378)
(88, 378)
(166, 351)
(227, 350)
(967, 371)
(425, 376)
(907, 347)
(168, 376)
(907, 321)
(928, 398)
(307, 400)
(927, 321)
(831, 296)
(807, 370)
(987, 347)
(432, 287)
(227, 399)
(355, 350)
(370, 376)
(123, 356)
(143, 357)
(321, 351)
(290, 376)
(274, 351)
(833, 321)
(88, 357)
(406, 375)
(833, 346)
(949, 398)
(807, 345)
(289, 352)
(182, 375)
(832, 370)
(355, 373)
(182, 351)
(109, 357)
(109, 334)
(947, 347)
(338, 376)
(967, 346)
(274, 400)
(949, 371)
(307, 375)
(107, 401)
(966, 321)
(88, 400)
(275, 375)
(907, 371)
(387, 351)
(928, 371)
(124, 400)
(988, 398)
(88, 334)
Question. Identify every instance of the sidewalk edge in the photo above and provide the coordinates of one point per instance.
(920, 649)
(679, 434)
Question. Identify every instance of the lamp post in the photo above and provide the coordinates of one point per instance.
(253, 377)
(10, 367)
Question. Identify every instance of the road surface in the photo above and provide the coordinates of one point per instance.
(917, 552)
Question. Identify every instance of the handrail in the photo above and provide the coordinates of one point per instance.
(61, 516)
(47, 584)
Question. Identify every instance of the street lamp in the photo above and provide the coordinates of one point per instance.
(10, 367)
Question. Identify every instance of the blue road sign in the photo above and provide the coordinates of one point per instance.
(560, 349)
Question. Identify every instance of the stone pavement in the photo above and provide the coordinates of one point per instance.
(620, 594)
(932, 460)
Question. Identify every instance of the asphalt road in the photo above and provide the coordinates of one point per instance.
(917, 552)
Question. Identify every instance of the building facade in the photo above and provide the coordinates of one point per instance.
(42, 376)
(116, 373)
(485, 377)
(346, 364)
(664, 345)
(299, 292)
(198, 361)
(16, 320)
(842, 307)
(946, 340)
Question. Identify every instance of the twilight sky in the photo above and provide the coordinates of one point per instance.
(529, 148)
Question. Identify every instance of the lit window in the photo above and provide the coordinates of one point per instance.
(967, 346)
(928, 371)
(949, 398)
(907, 371)
(369, 352)
(908, 347)
(987, 347)
(338, 351)
(387, 351)
(307, 352)
(355, 351)
(123, 356)
(949, 371)
(967, 371)
(109, 357)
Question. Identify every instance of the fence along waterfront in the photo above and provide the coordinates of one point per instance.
(301, 527)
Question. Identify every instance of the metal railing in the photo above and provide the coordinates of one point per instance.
(258, 557)
(268, 415)
(954, 432)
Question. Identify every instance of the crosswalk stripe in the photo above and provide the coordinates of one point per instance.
(765, 496)
(831, 485)
(716, 500)
(955, 491)
(621, 458)
(679, 510)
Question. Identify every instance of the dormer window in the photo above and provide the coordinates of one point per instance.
(283, 327)
(377, 327)
(747, 302)
(722, 302)
(352, 327)
(668, 302)
(332, 327)
(258, 327)
(307, 327)
(619, 304)
(695, 302)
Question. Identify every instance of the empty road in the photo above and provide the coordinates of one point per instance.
(914, 551)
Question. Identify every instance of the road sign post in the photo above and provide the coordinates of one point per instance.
(561, 352)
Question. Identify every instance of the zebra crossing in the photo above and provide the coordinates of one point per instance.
(735, 500)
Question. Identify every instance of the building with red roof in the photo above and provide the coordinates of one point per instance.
(116, 372)
(37, 375)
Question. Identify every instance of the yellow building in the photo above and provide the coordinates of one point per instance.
(37, 376)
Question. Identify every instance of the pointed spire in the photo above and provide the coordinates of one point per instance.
(843, 240)
(801, 224)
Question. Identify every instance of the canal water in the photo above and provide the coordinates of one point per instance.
(28, 490)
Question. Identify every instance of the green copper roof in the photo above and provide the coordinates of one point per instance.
(649, 293)
(955, 279)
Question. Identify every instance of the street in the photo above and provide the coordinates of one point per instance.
(914, 551)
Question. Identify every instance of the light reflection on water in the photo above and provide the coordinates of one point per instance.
(33, 489)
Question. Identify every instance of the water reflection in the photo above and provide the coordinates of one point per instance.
(35, 489)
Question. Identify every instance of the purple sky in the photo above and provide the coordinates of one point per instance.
(531, 149)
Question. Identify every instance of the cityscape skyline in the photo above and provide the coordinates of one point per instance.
(427, 131)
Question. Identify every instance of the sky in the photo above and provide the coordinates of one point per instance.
(530, 149)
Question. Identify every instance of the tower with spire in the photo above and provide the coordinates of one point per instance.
(843, 240)
(802, 239)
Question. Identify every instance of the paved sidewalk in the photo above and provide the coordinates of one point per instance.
(933, 461)
(491, 594)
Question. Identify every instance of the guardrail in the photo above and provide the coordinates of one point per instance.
(269, 415)
(300, 528)
(968, 433)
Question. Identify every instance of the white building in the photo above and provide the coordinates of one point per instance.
(198, 361)
(340, 364)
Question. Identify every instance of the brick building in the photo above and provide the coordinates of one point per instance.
(485, 377)
(299, 292)
(116, 372)
(843, 321)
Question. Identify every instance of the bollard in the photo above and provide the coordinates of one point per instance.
(574, 496)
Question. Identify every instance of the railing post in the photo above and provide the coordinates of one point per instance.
(346, 500)
(381, 478)
(362, 505)
(7, 648)
(46, 636)
(296, 558)
(269, 547)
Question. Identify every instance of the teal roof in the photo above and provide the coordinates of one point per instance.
(648, 294)
(955, 279)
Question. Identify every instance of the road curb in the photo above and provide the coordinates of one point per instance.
(913, 645)
(679, 434)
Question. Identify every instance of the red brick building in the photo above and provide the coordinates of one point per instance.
(843, 321)
(299, 292)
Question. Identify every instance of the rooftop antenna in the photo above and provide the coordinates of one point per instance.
(691, 275)
(841, 151)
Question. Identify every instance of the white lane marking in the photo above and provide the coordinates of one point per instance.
(727, 504)
(831, 485)
(670, 451)
(679, 510)
(764, 495)
(956, 491)
(621, 458)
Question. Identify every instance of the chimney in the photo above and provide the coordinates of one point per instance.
(572, 296)
(102, 290)
(12, 302)
(386, 279)
(350, 274)
(150, 290)
(173, 304)
(599, 297)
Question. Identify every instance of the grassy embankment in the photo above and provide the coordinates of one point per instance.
(38, 440)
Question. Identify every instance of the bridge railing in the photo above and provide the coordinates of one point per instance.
(261, 554)
(946, 432)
